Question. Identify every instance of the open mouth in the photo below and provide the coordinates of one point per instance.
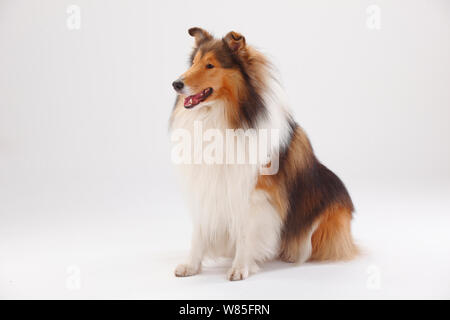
(192, 101)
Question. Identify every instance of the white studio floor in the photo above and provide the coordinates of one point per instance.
(132, 256)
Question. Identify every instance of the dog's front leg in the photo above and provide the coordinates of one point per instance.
(194, 262)
(243, 263)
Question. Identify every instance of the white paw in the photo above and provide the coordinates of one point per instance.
(186, 270)
(240, 273)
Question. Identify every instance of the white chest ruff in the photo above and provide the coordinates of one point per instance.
(224, 203)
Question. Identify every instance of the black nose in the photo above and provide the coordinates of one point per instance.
(178, 85)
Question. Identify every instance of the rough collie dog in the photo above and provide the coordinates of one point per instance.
(299, 212)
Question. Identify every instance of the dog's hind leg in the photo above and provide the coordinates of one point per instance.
(299, 249)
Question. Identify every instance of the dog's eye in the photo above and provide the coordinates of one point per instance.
(209, 66)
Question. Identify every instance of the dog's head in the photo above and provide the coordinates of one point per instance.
(217, 70)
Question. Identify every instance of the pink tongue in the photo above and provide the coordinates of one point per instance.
(194, 99)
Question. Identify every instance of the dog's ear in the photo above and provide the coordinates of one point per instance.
(200, 35)
(235, 41)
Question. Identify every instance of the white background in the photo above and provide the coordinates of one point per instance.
(88, 195)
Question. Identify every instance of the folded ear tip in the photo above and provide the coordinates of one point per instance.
(236, 36)
(193, 30)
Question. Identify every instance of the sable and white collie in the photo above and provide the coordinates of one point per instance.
(301, 212)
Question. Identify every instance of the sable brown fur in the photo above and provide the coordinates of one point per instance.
(245, 103)
(307, 193)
